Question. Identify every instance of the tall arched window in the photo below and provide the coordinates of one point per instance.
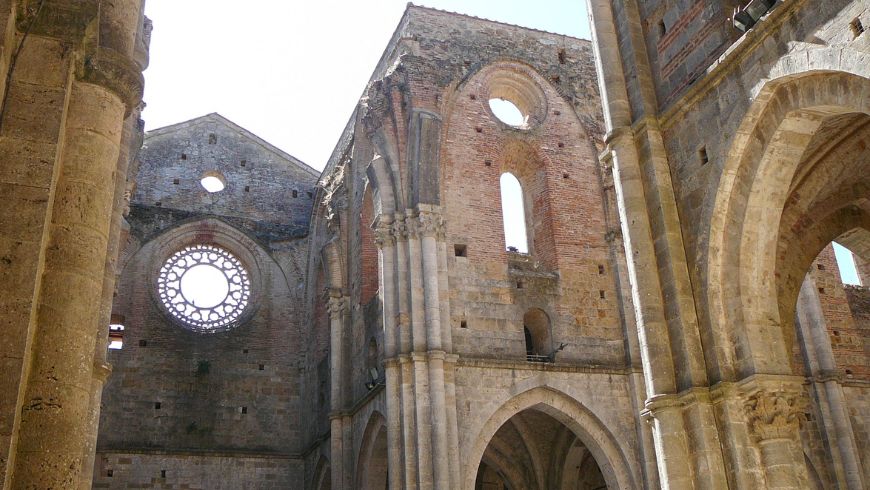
(513, 214)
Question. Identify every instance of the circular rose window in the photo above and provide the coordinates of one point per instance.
(204, 287)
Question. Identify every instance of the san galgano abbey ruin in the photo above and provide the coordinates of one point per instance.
(193, 308)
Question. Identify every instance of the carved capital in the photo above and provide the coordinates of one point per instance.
(115, 72)
(400, 228)
(384, 234)
(774, 415)
(430, 223)
(337, 305)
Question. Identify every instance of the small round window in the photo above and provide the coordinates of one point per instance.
(204, 287)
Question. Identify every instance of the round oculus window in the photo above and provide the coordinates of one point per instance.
(205, 288)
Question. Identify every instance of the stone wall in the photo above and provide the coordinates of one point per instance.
(177, 397)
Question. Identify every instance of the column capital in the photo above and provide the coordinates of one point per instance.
(337, 304)
(115, 72)
(383, 229)
(425, 224)
(774, 415)
(399, 228)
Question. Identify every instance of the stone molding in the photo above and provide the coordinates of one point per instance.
(115, 72)
(399, 227)
(337, 304)
(774, 415)
(383, 230)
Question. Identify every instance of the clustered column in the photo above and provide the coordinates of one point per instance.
(412, 258)
(337, 307)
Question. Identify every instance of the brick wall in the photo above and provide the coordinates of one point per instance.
(176, 397)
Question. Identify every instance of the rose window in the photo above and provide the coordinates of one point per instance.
(204, 287)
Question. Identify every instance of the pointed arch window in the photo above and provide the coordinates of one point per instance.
(513, 214)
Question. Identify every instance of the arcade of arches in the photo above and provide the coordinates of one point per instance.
(629, 285)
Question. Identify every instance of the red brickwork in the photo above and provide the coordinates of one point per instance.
(368, 251)
(846, 313)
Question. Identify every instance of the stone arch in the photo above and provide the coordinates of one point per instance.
(746, 326)
(383, 185)
(588, 428)
(372, 462)
(537, 324)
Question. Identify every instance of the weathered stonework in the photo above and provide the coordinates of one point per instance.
(678, 321)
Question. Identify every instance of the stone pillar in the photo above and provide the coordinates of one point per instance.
(131, 141)
(774, 419)
(386, 243)
(54, 427)
(836, 427)
(404, 347)
(669, 337)
(338, 308)
(432, 235)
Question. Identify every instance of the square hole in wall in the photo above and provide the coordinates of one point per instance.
(244, 351)
(143, 343)
(520, 284)
(110, 473)
(601, 294)
(600, 269)
(244, 410)
(262, 367)
(212, 138)
(244, 163)
(162, 473)
(295, 194)
(562, 57)
(247, 188)
(857, 27)
(702, 155)
(184, 156)
(463, 324)
(157, 405)
(821, 267)
(821, 290)
(460, 250)
(175, 181)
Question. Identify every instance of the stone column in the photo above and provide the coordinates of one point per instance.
(836, 426)
(404, 345)
(54, 418)
(669, 337)
(431, 228)
(337, 307)
(131, 140)
(774, 419)
(386, 243)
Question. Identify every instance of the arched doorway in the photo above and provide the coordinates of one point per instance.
(372, 464)
(533, 450)
(536, 332)
(544, 439)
